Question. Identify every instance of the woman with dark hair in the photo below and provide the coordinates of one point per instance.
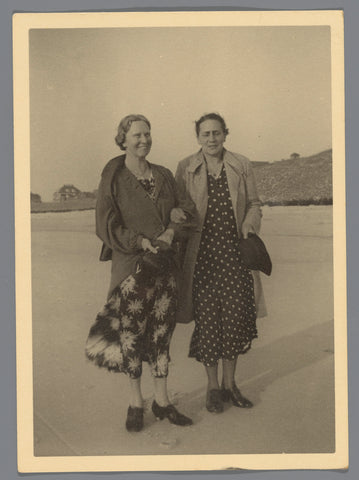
(218, 291)
(137, 214)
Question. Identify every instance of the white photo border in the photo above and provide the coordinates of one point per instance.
(27, 462)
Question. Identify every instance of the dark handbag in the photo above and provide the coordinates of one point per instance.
(156, 264)
(254, 254)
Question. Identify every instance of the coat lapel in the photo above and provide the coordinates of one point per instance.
(234, 180)
(131, 184)
(198, 185)
(158, 181)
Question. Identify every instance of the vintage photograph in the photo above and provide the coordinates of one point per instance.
(180, 241)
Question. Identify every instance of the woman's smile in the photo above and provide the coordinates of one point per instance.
(138, 139)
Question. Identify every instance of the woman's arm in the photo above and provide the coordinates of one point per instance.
(186, 213)
(252, 219)
(109, 225)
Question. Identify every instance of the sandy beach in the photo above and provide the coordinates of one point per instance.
(80, 409)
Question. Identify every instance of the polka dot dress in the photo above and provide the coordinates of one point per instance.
(223, 296)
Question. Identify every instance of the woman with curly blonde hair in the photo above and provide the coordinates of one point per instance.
(138, 211)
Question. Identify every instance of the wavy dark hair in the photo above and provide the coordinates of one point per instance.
(211, 116)
(125, 125)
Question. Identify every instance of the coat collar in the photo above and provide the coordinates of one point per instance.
(128, 175)
(198, 160)
(234, 173)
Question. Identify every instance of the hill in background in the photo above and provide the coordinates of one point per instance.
(296, 181)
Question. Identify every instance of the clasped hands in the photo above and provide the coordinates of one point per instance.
(177, 216)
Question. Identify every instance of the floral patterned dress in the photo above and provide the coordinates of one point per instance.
(223, 293)
(137, 323)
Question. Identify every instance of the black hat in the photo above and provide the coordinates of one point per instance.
(254, 254)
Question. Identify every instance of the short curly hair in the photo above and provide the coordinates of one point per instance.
(211, 116)
(125, 125)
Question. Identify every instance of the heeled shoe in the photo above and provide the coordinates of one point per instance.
(236, 397)
(170, 412)
(214, 402)
(134, 421)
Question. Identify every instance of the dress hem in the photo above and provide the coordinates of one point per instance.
(241, 352)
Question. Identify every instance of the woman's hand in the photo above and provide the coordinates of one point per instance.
(147, 245)
(167, 236)
(246, 229)
(178, 215)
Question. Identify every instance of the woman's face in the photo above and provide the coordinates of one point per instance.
(211, 137)
(138, 139)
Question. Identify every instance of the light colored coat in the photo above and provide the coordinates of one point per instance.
(191, 177)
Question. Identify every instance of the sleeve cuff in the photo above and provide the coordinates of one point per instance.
(139, 241)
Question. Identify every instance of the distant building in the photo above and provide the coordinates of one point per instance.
(34, 197)
(67, 192)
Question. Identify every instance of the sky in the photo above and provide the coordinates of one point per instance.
(271, 84)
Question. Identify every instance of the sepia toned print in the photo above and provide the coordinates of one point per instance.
(277, 81)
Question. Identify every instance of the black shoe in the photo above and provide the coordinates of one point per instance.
(235, 396)
(134, 421)
(170, 412)
(214, 402)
